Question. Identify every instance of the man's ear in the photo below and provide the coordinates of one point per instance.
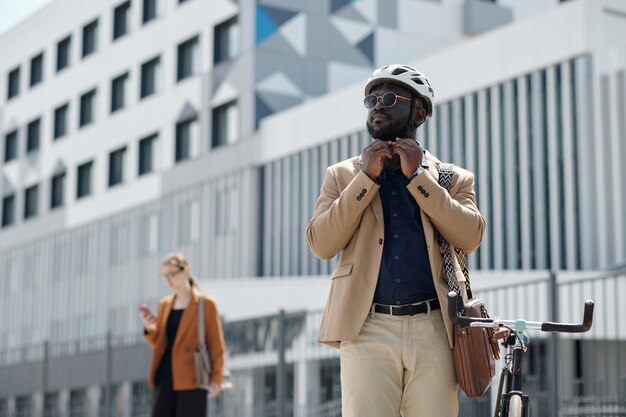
(420, 117)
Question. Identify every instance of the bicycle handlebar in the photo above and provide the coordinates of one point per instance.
(455, 313)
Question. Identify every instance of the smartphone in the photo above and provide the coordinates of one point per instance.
(144, 310)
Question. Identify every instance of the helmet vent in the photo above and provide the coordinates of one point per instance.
(418, 80)
(398, 71)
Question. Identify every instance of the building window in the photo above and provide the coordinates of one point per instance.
(149, 234)
(36, 70)
(120, 20)
(10, 146)
(78, 403)
(51, 404)
(87, 103)
(119, 243)
(63, 53)
(113, 404)
(83, 180)
(116, 167)
(150, 77)
(226, 40)
(188, 221)
(184, 139)
(149, 10)
(146, 152)
(33, 133)
(30, 273)
(60, 262)
(4, 402)
(330, 383)
(226, 124)
(8, 210)
(23, 406)
(31, 201)
(90, 38)
(188, 58)
(226, 204)
(57, 186)
(60, 120)
(13, 88)
(140, 403)
(118, 89)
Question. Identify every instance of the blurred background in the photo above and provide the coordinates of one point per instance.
(130, 129)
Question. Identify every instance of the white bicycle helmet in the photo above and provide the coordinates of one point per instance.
(405, 76)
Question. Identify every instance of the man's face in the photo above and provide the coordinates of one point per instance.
(389, 123)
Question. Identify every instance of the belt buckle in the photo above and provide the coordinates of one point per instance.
(391, 310)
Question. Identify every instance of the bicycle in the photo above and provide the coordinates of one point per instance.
(513, 402)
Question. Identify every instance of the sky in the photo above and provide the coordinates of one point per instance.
(13, 12)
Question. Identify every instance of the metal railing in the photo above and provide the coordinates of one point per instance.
(566, 376)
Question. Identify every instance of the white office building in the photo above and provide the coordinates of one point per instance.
(130, 129)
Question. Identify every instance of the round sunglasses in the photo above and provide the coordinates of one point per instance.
(388, 100)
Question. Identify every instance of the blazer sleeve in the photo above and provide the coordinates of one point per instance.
(338, 213)
(152, 336)
(453, 214)
(215, 340)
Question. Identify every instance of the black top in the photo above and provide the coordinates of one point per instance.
(164, 370)
(172, 326)
(405, 275)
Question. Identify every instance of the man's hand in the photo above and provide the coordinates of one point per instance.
(374, 156)
(410, 153)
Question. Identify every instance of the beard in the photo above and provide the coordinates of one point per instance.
(388, 132)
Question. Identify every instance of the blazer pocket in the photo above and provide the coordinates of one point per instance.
(341, 271)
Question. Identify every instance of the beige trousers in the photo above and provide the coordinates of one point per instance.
(399, 365)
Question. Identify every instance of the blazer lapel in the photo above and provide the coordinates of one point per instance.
(190, 315)
(430, 234)
(375, 205)
(163, 321)
(166, 313)
(429, 230)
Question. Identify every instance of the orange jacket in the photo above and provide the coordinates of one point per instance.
(183, 372)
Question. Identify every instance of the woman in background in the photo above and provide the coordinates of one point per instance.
(173, 335)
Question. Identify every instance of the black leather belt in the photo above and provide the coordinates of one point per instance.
(408, 310)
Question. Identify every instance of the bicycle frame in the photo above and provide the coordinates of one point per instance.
(512, 375)
(513, 402)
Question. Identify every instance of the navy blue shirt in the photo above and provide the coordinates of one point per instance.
(405, 276)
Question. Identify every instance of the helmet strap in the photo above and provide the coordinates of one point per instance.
(410, 124)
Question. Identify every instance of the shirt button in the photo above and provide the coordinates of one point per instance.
(395, 235)
(398, 280)
(393, 193)
(397, 302)
(395, 214)
(396, 257)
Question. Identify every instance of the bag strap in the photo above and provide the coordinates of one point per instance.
(445, 180)
(201, 336)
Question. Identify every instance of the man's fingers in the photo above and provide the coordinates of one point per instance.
(407, 144)
(376, 145)
(383, 153)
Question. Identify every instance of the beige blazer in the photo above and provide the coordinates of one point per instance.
(348, 219)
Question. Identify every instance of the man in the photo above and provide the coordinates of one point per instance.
(382, 211)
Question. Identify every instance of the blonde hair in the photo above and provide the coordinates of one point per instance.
(179, 260)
